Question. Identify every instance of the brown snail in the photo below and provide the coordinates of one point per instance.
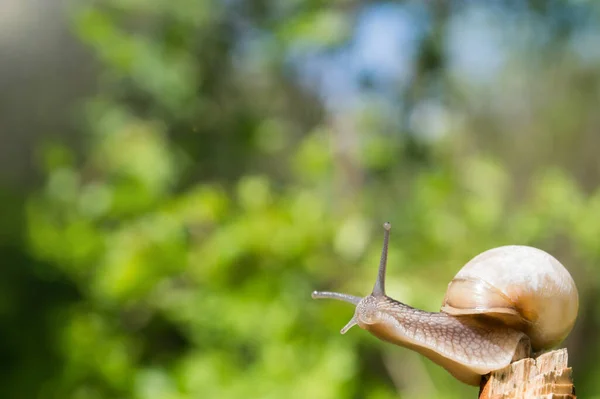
(502, 305)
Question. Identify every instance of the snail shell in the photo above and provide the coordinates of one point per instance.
(523, 287)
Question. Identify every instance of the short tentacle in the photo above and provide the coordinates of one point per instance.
(349, 325)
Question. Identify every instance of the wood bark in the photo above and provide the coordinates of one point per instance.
(546, 377)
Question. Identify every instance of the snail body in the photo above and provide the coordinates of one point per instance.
(502, 305)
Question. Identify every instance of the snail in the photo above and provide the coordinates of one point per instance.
(502, 306)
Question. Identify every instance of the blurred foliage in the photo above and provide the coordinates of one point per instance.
(174, 255)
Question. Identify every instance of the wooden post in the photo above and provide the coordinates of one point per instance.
(545, 377)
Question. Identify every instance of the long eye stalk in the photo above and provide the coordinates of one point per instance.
(379, 288)
(336, 295)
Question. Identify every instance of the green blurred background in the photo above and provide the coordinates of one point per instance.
(178, 176)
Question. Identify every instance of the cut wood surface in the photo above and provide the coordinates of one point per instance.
(545, 377)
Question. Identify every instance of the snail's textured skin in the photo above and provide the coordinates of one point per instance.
(467, 347)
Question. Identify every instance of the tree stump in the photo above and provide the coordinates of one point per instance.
(545, 377)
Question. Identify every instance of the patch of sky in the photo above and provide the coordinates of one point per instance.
(378, 57)
(475, 44)
(585, 42)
